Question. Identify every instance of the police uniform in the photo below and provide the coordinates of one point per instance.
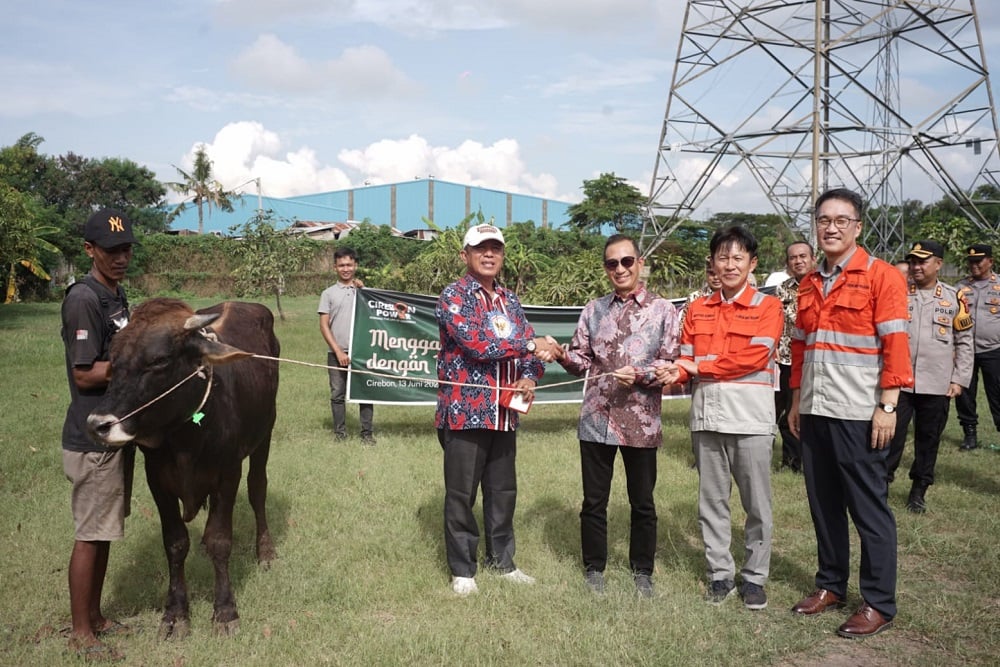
(983, 297)
(941, 341)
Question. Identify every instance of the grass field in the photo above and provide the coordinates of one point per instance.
(361, 576)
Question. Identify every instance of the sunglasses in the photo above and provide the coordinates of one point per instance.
(612, 264)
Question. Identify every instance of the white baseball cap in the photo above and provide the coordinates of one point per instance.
(480, 233)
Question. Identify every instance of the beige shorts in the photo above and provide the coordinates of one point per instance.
(102, 489)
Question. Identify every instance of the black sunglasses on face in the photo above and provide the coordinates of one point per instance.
(612, 264)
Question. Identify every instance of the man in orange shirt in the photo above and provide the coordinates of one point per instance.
(728, 349)
(850, 357)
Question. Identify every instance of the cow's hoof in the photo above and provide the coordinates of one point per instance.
(266, 553)
(178, 628)
(226, 629)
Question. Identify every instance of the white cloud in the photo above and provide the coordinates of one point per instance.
(360, 71)
(427, 17)
(246, 150)
(498, 165)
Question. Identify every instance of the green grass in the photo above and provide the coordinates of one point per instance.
(361, 576)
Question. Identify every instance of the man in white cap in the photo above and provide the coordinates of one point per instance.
(487, 344)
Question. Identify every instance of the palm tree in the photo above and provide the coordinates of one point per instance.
(200, 189)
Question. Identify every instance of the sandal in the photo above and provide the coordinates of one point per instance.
(96, 652)
(113, 629)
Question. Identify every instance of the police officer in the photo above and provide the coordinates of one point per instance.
(940, 331)
(981, 290)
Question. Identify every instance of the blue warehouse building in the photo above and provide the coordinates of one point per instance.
(401, 206)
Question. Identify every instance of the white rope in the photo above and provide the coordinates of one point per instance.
(428, 380)
(197, 372)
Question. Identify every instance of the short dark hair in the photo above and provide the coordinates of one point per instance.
(812, 252)
(618, 238)
(345, 252)
(850, 196)
(737, 235)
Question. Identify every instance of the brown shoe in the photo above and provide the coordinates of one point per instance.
(819, 601)
(865, 623)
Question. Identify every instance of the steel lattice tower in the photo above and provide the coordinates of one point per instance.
(872, 95)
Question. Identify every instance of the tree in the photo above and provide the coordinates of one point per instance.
(65, 190)
(266, 257)
(201, 189)
(608, 200)
(21, 240)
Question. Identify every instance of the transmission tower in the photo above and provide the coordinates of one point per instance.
(889, 98)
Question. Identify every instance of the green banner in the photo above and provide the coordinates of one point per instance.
(395, 341)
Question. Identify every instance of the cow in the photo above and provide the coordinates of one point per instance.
(184, 388)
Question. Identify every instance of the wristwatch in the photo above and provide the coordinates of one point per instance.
(887, 407)
(530, 347)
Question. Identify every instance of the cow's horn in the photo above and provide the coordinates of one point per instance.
(196, 322)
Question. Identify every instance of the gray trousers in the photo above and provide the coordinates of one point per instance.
(722, 458)
(338, 392)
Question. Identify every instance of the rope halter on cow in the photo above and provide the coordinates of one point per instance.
(197, 416)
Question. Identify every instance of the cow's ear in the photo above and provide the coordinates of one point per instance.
(219, 353)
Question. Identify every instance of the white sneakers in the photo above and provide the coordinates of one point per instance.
(518, 577)
(463, 586)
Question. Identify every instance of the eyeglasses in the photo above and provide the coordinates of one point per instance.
(840, 222)
(612, 264)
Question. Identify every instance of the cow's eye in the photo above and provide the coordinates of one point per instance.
(160, 362)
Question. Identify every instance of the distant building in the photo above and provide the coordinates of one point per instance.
(402, 206)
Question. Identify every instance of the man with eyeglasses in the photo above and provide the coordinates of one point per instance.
(619, 340)
(981, 290)
(850, 358)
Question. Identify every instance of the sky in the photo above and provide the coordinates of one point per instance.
(527, 96)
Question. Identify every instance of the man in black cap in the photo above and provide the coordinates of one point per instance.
(93, 310)
(981, 291)
(940, 332)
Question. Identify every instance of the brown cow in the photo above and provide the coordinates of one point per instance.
(196, 436)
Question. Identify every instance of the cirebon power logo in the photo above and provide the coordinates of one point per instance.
(382, 310)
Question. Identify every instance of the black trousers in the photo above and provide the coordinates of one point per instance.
(597, 462)
(929, 414)
(965, 403)
(791, 447)
(845, 476)
(474, 458)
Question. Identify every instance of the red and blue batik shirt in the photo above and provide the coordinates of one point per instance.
(484, 344)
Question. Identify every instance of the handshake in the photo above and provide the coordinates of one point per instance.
(667, 374)
(548, 349)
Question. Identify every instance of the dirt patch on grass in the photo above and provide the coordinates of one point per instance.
(889, 649)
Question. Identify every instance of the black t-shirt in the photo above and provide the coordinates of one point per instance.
(91, 314)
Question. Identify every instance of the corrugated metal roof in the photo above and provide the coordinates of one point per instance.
(403, 206)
